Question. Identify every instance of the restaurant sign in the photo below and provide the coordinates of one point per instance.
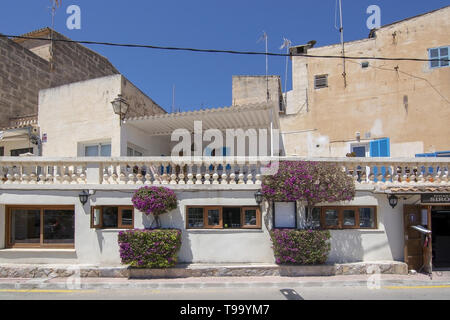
(435, 198)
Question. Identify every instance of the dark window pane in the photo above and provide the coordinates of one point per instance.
(444, 63)
(231, 217)
(435, 63)
(110, 217)
(366, 217)
(127, 217)
(443, 52)
(250, 217)
(18, 152)
(2, 151)
(25, 226)
(59, 226)
(195, 217)
(315, 217)
(349, 218)
(331, 217)
(434, 53)
(213, 217)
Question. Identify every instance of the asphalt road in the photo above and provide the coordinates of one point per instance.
(272, 293)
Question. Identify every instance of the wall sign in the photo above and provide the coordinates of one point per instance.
(435, 198)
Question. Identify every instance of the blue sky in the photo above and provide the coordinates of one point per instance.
(202, 80)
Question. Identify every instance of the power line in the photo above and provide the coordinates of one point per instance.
(225, 51)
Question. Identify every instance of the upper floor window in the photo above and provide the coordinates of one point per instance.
(97, 150)
(438, 55)
(2, 151)
(320, 81)
(131, 152)
(18, 152)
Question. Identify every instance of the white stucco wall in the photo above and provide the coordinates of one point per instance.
(100, 247)
(67, 111)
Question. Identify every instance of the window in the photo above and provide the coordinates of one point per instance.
(36, 227)
(97, 150)
(213, 217)
(284, 214)
(18, 152)
(436, 55)
(321, 81)
(112, 217)
(351, 217)
(2, 151)
(360, 149)
(131, 152)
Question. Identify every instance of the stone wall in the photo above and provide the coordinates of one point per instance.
(24, 71)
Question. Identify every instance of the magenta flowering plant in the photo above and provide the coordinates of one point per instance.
(310, 182)
(155, 201)
(300, 246)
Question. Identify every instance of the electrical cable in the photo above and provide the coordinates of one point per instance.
(225, 51)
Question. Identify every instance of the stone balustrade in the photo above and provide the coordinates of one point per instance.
(209, 170)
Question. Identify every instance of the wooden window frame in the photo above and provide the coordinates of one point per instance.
(205, 217)
(340, 210)
(119, 217)
(258, 218)
(41, 243)
(274, 213)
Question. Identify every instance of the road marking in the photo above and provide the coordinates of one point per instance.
(416, 287)
(45, 291)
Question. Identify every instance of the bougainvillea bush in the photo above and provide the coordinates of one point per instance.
(154, 248)
(154, 200)
(300, 246)
(308, 181)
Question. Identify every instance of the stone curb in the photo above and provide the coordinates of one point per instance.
(184, 271)
(196, 285)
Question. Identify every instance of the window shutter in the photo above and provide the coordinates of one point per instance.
(380, 148)
(374, 148)
(320, 81)
(385, 148)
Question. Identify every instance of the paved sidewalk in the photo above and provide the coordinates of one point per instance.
(71, 283)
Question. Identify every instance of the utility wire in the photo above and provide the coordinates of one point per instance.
(225, 51)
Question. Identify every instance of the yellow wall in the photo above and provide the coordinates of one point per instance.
(323, 122)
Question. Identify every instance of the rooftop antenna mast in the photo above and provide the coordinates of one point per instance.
(341, 30)
(265, 37)
(173, 99)
(55, 5)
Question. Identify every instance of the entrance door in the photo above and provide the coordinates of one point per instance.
(440, 217)
(413, 239)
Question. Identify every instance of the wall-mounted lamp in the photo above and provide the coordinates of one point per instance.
(120, 107)
(258, 197)
(393, 200)
(84, 196)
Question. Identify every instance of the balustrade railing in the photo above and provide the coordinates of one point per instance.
(209, 170)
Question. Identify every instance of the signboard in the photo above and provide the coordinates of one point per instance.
(44, 138)
(435, 198)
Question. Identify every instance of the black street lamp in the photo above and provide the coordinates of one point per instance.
(84, 196)
(258, 197)
(120, 107)
(393, 200)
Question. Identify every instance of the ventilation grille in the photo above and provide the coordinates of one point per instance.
(321, 81)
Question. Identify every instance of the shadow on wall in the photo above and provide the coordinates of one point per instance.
(346, 246)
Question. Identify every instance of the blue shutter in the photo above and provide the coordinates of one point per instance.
(385, 150)
(374, 148)
(380, 148)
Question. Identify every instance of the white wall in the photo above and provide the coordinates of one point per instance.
(100, 247)
(77, 113)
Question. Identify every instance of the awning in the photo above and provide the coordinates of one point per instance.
(249, 116)
(15, 134)
(416, 189)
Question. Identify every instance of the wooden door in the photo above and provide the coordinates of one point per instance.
(413, 238)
